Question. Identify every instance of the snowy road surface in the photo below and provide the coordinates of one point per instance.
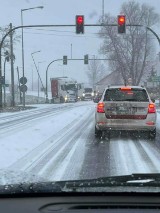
(56, 142)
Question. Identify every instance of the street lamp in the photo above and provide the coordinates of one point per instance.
(37, 68)
(7, 58)
(22, 10)
(38, 77)
(47, 100)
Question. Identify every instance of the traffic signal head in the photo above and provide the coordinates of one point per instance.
(79, 24)
(121, 23)
(65, 60)
(85, 59)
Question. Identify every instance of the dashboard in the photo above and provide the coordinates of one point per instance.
(81, 202)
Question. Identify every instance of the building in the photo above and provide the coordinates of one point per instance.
(114, 78)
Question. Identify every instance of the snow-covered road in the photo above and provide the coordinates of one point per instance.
(57, 142)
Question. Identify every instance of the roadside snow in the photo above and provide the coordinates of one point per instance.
(17, 142)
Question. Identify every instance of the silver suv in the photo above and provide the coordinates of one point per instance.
(126, 108)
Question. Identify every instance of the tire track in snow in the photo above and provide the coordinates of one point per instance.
(50, 150)
(130, 156)
(151, 155)
(96, 161)
(25, 119)
(148, 162)
(63, 164)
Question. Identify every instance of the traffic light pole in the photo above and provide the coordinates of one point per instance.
(72, 59)
(47, 100)
(62, 25)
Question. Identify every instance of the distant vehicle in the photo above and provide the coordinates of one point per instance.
(97, 97)
(80, 91)
(128, 108)
(88, 94)
(64, 90)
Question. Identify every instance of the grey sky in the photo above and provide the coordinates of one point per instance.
(55, 44)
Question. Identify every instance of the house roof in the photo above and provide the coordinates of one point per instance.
(114, 78)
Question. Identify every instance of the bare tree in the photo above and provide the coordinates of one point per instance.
(131, 51)
(6, 43)
(96, 71)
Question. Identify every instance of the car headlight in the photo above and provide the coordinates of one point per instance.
(66, 98)
(92, 93)
(83, 94)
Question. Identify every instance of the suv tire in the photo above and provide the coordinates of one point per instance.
(152, 134)
(98, 133)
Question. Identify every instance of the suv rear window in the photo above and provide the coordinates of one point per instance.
(116, 94)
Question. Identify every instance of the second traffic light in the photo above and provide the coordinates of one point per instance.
(85, 59)
(121, 23)
(65, 60)
(79, 24)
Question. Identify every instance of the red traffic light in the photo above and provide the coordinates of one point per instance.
(121, 24)
(80, 19)
(121, 20)
(79, 24)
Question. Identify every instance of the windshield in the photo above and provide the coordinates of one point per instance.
(127, 95)
(88, 89)
(71, 87)
(80, 94)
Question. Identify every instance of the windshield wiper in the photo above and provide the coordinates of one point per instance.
(139, 179)
(133, 180)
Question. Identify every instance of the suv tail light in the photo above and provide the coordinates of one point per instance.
(126, 88)
(100, 107)
(151, 108)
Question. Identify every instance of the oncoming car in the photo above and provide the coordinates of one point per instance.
(125, 108)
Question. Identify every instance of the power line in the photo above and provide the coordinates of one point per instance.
(51, 34)
(64, 31)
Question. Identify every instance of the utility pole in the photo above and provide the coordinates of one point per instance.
(71, 51)
(12, 68)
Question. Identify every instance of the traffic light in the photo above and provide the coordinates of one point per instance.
(85, 59)
(79, 24)
(2, 80)
(65, 60)
(7, 56)
(121, 23)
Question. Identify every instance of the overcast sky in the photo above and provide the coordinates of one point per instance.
(56, 42)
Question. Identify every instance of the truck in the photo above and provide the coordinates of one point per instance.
(88, 94)
(64, 90)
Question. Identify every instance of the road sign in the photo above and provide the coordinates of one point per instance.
(156, 79)
(23, 88)
(21, 80)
